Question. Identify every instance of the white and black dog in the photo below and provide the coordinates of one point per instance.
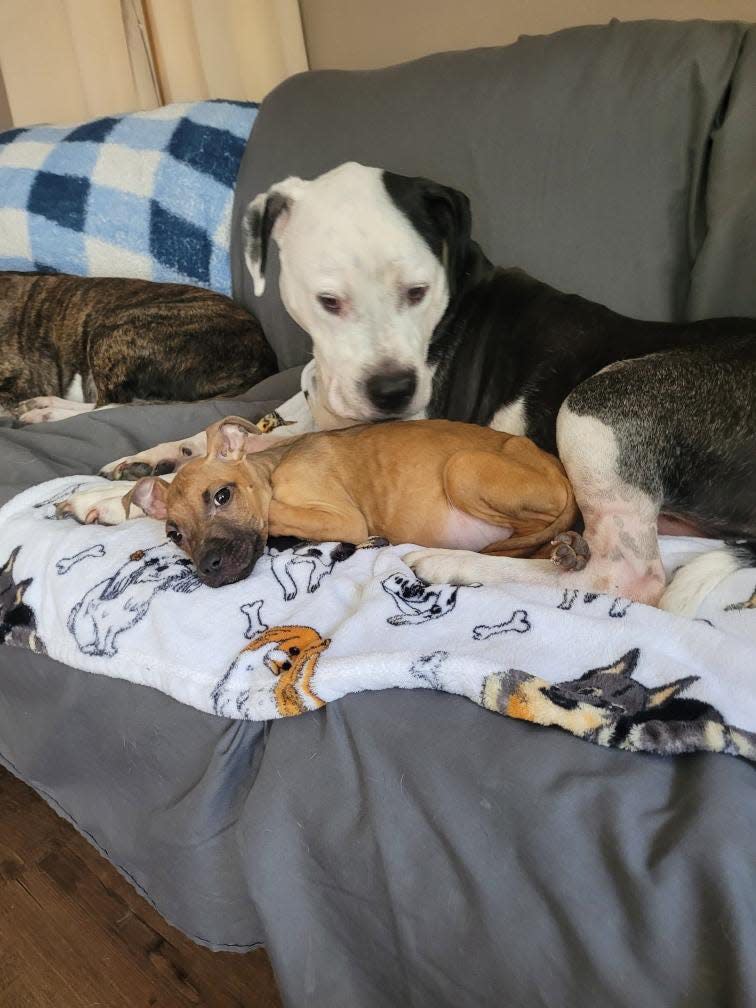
(654, 422)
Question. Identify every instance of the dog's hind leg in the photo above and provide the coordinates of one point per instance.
(620, 523)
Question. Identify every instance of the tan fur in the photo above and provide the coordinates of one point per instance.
(404, 481)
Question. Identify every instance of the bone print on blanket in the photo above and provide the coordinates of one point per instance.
(317, 621)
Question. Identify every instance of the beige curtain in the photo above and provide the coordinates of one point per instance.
(68, 60)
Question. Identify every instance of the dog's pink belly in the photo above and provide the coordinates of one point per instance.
(464, 532)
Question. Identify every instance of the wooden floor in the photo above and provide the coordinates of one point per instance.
(74, 934)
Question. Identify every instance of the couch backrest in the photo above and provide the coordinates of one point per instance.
(584, 153)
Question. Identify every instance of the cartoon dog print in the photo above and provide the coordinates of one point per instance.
(298, 565)
(18, 624)
(292, 657)
(518, 622)
(749, 603)
(122, 600)
(417, 601)
(617, 609)
(608, 706)
(427, 667)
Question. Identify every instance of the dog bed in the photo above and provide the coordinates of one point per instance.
(317, 621)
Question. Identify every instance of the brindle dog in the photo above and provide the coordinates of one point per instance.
(71, 344)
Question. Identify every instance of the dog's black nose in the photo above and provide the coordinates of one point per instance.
(391, 391)
(211, 562)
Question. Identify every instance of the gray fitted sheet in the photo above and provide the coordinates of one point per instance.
(398, 848)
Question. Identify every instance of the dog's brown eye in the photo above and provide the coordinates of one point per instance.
(416, 294)
(330, 303)
(294, 651)
(174, 535)
(222, 496)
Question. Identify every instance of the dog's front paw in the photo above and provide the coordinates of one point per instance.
(441, 566)
(98, 506)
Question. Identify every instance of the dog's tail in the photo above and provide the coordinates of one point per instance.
(693, 582)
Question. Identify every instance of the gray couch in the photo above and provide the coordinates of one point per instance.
(410, 848)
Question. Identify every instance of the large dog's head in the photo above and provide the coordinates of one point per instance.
(216, 508)
(369, 261)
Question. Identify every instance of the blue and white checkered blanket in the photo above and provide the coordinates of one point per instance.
(146, 195)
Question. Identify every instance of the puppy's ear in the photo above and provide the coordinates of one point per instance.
(232, 438)
(267, 215)
(151, 495)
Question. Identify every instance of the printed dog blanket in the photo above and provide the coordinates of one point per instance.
(315, 622)
(146, 195)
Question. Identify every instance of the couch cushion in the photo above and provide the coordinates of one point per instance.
(582, 152)
(724, 275)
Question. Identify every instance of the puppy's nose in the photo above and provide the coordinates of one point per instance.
(211, 561)
(391, 391)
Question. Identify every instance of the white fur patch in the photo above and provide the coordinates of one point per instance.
(75, 391)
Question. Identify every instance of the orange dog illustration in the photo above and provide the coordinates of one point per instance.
(293, 662)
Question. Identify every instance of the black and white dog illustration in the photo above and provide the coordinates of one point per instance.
(416, 601)
(654, 422)
(618, 608)
(608, 706)
(18, 624)
(426, 668)
(301, 566)
(120, 601)
(518, 622)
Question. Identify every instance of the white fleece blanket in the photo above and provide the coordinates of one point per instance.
(313, 623)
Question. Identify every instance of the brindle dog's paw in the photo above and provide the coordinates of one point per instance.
(135, 471)
(571, 552)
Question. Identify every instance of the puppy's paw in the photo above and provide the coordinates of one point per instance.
(571, 552)
(98, 506)
(42, 415)
(441, 566)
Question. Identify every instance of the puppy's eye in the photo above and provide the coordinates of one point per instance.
(416, 294)
(222, 496)
(174, 535)
(329, 303)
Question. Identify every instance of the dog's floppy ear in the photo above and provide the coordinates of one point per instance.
(440, 214)
(151, 495)
(267, 215)
(449, 210)
(232, 438)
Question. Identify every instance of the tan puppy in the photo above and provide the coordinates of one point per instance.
(429, 482)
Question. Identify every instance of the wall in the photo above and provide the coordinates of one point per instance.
(370, 33)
